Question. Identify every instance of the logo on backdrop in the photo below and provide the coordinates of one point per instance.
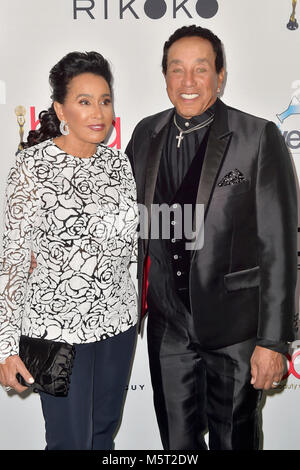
(289, 120)
(293, 24)
(153, 9)
(293, 363)
(135, 387)
(20, 111)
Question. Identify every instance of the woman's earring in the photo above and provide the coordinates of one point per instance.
(64, 128)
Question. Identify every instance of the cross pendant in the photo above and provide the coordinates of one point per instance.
(179, 138)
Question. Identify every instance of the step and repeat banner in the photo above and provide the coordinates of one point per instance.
(261, 41)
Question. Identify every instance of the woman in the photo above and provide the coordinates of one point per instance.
(71, 201)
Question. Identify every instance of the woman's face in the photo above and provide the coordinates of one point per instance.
(87, 109)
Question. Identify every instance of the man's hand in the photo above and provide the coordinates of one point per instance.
(8, 371)
(267, 366)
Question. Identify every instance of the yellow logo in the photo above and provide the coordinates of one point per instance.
(20, 112)
(293, 24)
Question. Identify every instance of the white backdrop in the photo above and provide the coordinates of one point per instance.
(262, 57)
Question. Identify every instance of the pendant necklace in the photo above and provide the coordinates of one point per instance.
(195, 128)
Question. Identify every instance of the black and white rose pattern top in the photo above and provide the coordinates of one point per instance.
(79, 217)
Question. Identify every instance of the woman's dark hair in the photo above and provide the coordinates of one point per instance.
(191, 31)
(71, 65)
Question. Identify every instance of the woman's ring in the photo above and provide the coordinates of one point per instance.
(275, 384)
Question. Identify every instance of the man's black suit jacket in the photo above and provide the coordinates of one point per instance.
(242, 282)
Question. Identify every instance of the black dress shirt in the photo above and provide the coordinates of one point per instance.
(174, 166)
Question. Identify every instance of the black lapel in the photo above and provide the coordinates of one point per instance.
(153, 160)
(218, 142)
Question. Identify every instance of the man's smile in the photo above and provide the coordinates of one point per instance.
(189, 96)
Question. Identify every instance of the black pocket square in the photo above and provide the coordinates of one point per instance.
(233, 177)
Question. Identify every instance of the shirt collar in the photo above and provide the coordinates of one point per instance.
(189, 123)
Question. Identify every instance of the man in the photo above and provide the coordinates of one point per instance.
(221, 315)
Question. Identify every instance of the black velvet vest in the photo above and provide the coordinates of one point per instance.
(185, 196)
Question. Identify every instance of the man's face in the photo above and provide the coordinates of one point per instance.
(191, 77)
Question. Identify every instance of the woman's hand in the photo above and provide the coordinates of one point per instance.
(8, 371)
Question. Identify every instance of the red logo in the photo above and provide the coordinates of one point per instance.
(291, 368)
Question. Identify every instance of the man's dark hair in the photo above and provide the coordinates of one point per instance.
(191, 31)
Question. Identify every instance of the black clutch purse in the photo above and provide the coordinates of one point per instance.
(49, 362)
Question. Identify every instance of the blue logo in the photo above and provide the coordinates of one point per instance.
(293, 108)
(290, 134)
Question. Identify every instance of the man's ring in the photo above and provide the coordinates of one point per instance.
(275, 384)
(7, 389)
